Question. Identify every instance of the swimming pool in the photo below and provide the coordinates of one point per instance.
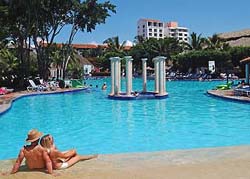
(92, 123)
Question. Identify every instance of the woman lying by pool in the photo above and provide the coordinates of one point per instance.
(62, 160)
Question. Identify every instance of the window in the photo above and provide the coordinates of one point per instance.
(160, 24)
(150, 34)
(149, 23)
(150, 30)
(155, 30)
(160, 30)
(160, 35)
(155, 34)
(180, 34)
(155, 24)
(143, 26)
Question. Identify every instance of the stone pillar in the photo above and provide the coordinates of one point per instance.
(247, 72)
(112, 66)
(156, 66)
(144, 74)
(162, 75)
(129, 74)
(115, 77)
(119, 75)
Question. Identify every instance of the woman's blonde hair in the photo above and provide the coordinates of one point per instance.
(46, 141)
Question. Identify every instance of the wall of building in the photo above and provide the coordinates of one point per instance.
(148, 28)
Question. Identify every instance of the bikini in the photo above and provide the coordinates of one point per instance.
(64, 164)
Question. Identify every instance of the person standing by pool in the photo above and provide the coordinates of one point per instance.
(61, 160)
(35, 155)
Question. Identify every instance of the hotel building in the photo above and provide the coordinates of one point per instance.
(149, 28)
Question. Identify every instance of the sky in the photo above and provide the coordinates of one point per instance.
(205, 17)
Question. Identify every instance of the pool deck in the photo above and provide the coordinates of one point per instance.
(208, 163)
(228, 95)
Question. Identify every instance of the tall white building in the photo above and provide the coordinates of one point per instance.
(173, 30)
(149, 28)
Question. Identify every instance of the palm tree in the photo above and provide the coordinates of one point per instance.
(165, 47)
(62, 57)
(115, 46)
(139, 39)
(196, 42)
(215, 42)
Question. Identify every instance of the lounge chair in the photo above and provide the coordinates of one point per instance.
(243, 91)
(53, 85)
(35, 87)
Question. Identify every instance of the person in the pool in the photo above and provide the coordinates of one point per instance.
(104, 86)
(62, 160)
(35, 155)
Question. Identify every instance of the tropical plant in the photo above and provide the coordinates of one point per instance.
(114, 46)
(9, 66)
(196, 42)
(216, 43)
(41, 21)
(165, 47)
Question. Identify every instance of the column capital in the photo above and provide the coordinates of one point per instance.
(128, 58)
(144, 59)
(159, 58)
(114, 58)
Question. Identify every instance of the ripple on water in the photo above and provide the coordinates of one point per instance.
(91, 123)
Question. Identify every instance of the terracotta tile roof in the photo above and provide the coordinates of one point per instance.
(90, 46)
(84, 46)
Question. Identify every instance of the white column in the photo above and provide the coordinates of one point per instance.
(144, 74)
(162, 80)
(112, 64)
(156, 66)
(164, 74)
(129, 75)
(160, 76)
(117, 83)
(119, 75)
(247, 73)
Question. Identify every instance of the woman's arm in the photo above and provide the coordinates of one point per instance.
(65, 155)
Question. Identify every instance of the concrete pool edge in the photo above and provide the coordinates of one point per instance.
(228, 95)
(7, 103)
(220, 162)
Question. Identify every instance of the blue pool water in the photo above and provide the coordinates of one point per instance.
(92, 123)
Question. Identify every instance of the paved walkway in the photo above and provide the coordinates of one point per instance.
(211, 163)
